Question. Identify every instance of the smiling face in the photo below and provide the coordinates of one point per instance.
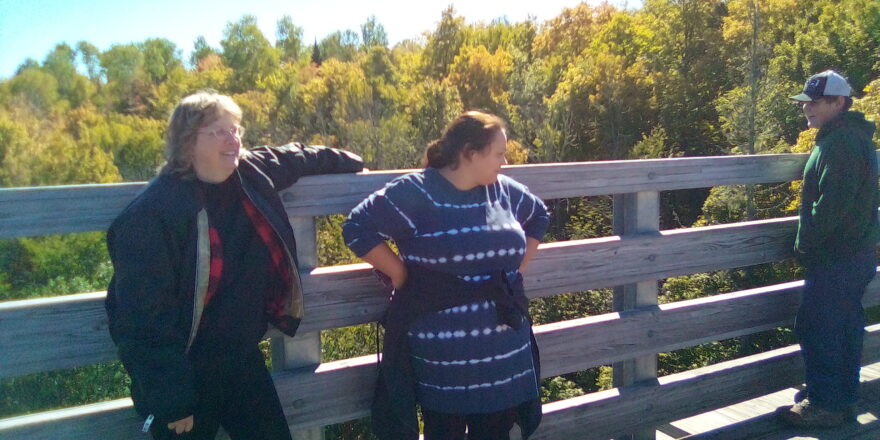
(217, 149)
(820, 111)
(485, 165)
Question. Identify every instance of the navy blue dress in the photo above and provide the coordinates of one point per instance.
(464, 360)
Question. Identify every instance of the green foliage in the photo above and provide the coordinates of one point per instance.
(72, 87)
(558, 388)
(53, 265)
(332, 250)
(349, 342)
(201, 49)
(443, 44)
(60, 389)
(34, 88)
(248, 53)
(373, 34)
(481, 78)
(340, 45)
(288, 39)
(570, 306)
(653, 146)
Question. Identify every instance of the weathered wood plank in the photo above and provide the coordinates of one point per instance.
(109, 420)
(26, 212)
(348, 295)
(34, 211)
(340, 391)
(31, 331)
(575, 179)
(616, 412)
(46, 334)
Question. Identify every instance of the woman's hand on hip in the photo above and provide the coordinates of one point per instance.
(182, 425)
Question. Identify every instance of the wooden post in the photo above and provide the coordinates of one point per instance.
(305, 348)
(636, 213)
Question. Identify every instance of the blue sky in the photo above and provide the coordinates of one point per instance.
(31, 28)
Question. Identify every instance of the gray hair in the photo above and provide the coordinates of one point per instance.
(192, 113)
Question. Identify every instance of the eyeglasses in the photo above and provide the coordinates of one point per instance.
(220, 134)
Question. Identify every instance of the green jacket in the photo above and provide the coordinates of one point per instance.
(839, 198)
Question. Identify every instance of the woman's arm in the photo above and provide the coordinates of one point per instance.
(383, 259)
(531, 251)
(284, 165)
(373, 222)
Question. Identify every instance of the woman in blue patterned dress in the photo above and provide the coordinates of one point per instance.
(460, 217)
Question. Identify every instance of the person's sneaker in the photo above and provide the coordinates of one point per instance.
(807, 415)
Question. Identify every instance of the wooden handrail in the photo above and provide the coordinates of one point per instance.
(35, 211)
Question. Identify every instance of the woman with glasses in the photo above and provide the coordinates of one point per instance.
(204, 259)
(458, 336)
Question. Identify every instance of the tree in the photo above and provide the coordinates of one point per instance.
(572, 31)
(481, 78)
(600, 109)
(128, 88)
(443, 44)
(317, 58)
(247, 52)
(161, 57)
(341, 45)
(430, 106)
(500, 33)
(72, 86)
(373, 34)
(13, 145)
(35, 88)
(288, 39)
(89, 56)
(28, 63)
(122, 63)
(201, 50)
(134, 143)
(687, 73)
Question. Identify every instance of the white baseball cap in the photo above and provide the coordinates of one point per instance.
(827, 83)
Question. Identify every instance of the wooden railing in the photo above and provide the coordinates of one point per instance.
(68, 331)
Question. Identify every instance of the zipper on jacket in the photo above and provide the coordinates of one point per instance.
(202, 275)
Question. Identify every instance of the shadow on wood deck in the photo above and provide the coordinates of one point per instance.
(754, 419)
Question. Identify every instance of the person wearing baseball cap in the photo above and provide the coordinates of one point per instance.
(836, 239)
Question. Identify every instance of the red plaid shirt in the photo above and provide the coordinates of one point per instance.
(276, 301)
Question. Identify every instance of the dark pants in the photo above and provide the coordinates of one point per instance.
(237, 393)
(491, 426)
(831, 326)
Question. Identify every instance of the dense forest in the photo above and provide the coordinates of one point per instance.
(671, 78)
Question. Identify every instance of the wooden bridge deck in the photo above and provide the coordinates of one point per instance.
(754, 419)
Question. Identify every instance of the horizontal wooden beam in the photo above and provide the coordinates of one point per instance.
(616, 412)
(348, 295)
(63, 332)
(29, 212)
(81, 208)
(338, 391)
(310, 197)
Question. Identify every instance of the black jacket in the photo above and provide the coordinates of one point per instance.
(427, 291)
(160, 251)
